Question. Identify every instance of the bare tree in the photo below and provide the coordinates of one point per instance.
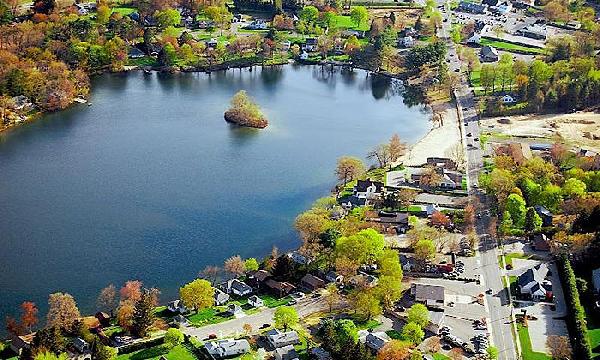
(559, 346)
(210, 273)
(107, 299)
(380, 153)
(235, 265)
(457, 154)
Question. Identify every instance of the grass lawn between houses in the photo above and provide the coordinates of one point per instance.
(439, 356)
(273, 302)
(593, 325)
(509, 258)
(345, 22)
(526, 350)
(208, 316)
(503, 45)
(179, 352)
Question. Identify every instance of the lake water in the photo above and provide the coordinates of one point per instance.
(151, 183)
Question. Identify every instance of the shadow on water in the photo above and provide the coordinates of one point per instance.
(380, 86)
(348, 76)
(271, 76)
(413, 96)
(241, 135)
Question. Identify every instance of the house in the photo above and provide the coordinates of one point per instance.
(333, 277)
(490, 2)
(545, 214)
(596, 280)
(540, 242)
(367, 189)
(285, 46)
(103, 318)
(373, 340)
(304, 55)
(180, 320)
(431, 295)
(339, 47)
(135, 53)
(255, 301)
(532, 283)
(81, 345)
(212, 43)
(310, 45)
(365, 280)
(436, 321)
(18, 343)
(408, 263)
(235, 310)
(573, 24)
(286, 353)
(220, 297)
(279, 288)
(397, 221)
(257, 279)
(225, 348)
(298, 258)
(176, 306)
(312, 282)
(470, 7)
(278, 339)
(533, 31)
(507, 99)
(489, 54)
(406, 42)
(474, 39)
(236, 287)
(320, 354)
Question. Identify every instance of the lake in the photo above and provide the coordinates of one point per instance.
(151, 183)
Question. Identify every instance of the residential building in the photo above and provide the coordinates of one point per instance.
(545, 214)
(596, 280)
(18, 343)
(533, 284)
(103, 318)
(507, 99)
(470, 7)
(236, 287)
(533, 31)
(279, 288)
(312, 282)
(286, 353)
(81, 345)
(298, 258)
(235, 310)
(257, 279)
(441, 162)
(176, 306)
(489, 54)
(539, 242)
(436, 321)
(255, 301)
(220, 297)
(373, 340)
(320, 354)
(431, 296)
(397, 221)
(225, 348)
(406, 42)
(278, 339)
(333, 277)
(310, 45)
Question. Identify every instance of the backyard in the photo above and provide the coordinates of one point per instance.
(503, 45)
(526, 350)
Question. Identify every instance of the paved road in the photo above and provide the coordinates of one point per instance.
(497, 303)
(233, 326)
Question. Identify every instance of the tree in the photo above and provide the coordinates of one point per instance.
(285, 317)
(455, 354)
(235, 265)
(132, 290)
(309, 14)
(439, 219)
(381, 153)
(46, 355)
(103, 14)
(50, 338)
(397, 148)
(413, 333)
(211, 272)
(311, 224)
(333, 296)
(220, 15)
(349, 168)
(389, 289)
(574, 188)
(559, 346)
(515, 205)
(167, 17)
(29, 316)
(173, 337)
(143, 315)
(418, 314)
(247, 329)
(492, 352)
(533, 222)
(197, 294)
(125, 314)
(251, 264)
(107, 299)
(359, 15)
(394, 350)
(424, 250)
(430, 177)
(366, 305)
(62, 311)
(103, 352)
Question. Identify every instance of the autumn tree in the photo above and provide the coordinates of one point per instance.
(380, 153)
(440, 219)
(210, 272)
(197, 294)
(125, 314)
(349, 168)
(455, 354)
(235, 265)
(394, 350)
(430, 177)
(132, 290)
(62, 311)
(333, 296)
(29, 315)
(424, 250)
(397, 148)
(107, 299)
(285, 317)
(247, 329)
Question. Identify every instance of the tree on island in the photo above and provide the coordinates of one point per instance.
(245, 112)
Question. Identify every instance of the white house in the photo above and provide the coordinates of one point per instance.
(407, 42)
(286, 353)
(255, 301)
(304, 55)
(236, 287)
(279, 339)
(532, 283)
(220, 297)
(225, 348)
(176, 306)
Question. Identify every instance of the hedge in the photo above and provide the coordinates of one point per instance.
(576, 319)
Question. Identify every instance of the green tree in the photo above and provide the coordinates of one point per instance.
(533, 222)
(143, 315)
(173, 337)
(418, 314)
(220, 15)
(285, 317)
(515, 205)
(507, 224)
(103, 352)
(366, 305)
(359, 15)
(413, 333)
(492, 352)
(574, 188)
(103, 14)
(309, 14)
(424, 250)
(167, 17)
(197, 294)
(50, 356)
(251, 264)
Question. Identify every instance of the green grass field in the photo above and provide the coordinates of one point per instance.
(509, 257)
(526, 350)
(345, 22)
(439, 356)
(123, 10)
(179, 352)
(503, 45)
(207, 316)
(271, 301)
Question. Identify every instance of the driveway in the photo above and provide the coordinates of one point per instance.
(235, 326)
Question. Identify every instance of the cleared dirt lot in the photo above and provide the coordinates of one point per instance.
(575, 129)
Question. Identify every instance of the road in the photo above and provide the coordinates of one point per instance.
(497, 302)
(304, 308)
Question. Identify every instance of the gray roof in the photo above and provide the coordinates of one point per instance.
(536, 274)
(227, 347)
(376, 340)
(428, 292)
(280, 339)
(286, 353)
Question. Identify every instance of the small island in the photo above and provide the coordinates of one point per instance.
(245, 112)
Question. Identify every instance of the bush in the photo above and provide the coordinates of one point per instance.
(173, 337)
(576, 319)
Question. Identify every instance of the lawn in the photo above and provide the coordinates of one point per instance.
(345, 22)
(144, 61)
(526, 350)
(179, 352)
(364, 325)
(503, 45)
(593, 328)
(509, 257)
(272, 302)
(208, 316)
(439, 356)
(124, 10)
